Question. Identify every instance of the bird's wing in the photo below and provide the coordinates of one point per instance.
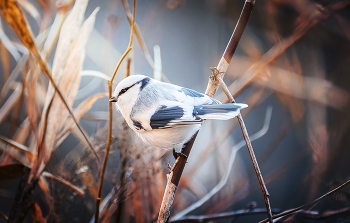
(173, 116)
(188, 96)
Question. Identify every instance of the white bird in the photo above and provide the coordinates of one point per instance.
(165, 115)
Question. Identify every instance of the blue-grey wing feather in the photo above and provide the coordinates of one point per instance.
(192, 93)
(198, 97)
(166, 117)
(221, 108)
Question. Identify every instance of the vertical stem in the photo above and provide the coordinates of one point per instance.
(239, 29)
(216, 79)
(105, 158)
(109, 136)
(256, 167)
(173, 181)
(231, 47)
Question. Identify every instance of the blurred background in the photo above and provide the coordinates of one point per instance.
(291, 67)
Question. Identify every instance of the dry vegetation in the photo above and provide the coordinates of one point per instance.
(45, 179)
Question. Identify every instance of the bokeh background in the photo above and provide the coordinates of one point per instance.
(291, 66)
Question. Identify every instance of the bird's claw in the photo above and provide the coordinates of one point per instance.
(177, 154)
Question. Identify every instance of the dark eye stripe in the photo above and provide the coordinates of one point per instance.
(143, 81)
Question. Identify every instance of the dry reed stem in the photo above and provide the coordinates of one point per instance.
(10, 103)
(20, 136)
(11, 48)
(249, 146)
(17, 21)
(177, 169)
(29, 7)
(109, 136)
(138, 33)
(13, 76)
(79, 111)
(19, 147)
(17, 109)
(53, 34)
(140, 40)
(78, 190)
(5, 59)
(72, 42)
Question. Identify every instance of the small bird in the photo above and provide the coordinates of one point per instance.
(166, 115)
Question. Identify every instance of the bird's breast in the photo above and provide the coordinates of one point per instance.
(169, 138)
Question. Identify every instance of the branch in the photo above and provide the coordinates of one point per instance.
(316, 216)
(109, 136)
(174, 176)
(76, 189)
(291, 211)
(216, 79)
(231, 47)
(230, 214)
(224, 179)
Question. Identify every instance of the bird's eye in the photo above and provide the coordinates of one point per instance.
(123, 91)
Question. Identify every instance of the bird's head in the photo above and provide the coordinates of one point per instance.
(127, 91)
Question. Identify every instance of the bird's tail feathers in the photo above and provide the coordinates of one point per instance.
(219, 112)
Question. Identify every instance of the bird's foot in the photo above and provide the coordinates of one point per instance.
(177, 154)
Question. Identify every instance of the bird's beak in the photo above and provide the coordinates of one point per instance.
(113, 99)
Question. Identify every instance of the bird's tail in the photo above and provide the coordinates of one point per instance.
(219, 112)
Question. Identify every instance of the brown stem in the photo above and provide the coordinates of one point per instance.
(173, 181)
(176, 171)
(109, 135)
(238, 31)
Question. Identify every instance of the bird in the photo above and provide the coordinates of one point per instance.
(165, 115)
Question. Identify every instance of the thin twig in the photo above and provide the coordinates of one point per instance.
(109, 136)
(140, 40)
(230, 214)
(224, 179)
(78, 190)
(176, 171)
(291, 211)
(231, 47)
(173, 179)
(216, 79)
(249, 146)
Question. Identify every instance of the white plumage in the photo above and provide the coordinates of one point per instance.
(165, 115)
